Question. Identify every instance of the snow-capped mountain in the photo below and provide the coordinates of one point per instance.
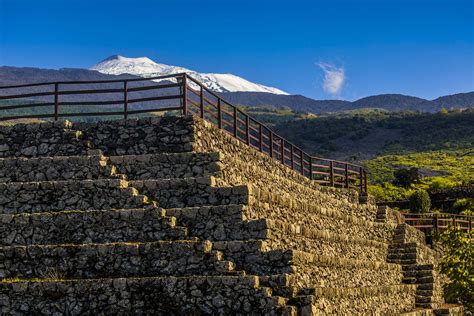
(145, 67)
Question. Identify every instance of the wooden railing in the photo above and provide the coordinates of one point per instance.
(438, 222)
(178, 92)
(51, 95)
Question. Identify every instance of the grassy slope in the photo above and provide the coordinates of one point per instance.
(457, 165)
(440, 144)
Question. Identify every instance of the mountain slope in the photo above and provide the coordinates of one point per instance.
(394, 102)
(459, 100)
(371, 133)
(294, 102)
(390, 102)
(146, 67)
(20, 75)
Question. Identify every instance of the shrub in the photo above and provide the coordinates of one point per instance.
(464, 206)
(406, 177)
(388, 192)
(443, 111)
(440, 183)
(458, 264)
(420, 202)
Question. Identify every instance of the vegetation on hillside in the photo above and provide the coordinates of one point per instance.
(458, 264)
(417, 131)
(438, 146)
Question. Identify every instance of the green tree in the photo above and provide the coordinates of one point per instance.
(458, 264)
(463, 206)
(406, 177)
(420, 201)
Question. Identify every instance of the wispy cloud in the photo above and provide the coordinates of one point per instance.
(334, 78)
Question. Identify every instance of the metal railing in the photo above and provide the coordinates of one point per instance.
(190, 97)
(438, 222)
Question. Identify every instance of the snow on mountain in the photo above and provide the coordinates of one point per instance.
(145, 67)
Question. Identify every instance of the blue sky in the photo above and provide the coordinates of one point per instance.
(322, 49)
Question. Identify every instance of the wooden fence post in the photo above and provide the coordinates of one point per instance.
(235, 122)
(185, 94)
(331, 173)
(282, 149)
(302, 162)
(125, 99)
(56, 101)
(291, 157)
(347, 175)
(271, 143)
(247, 129)
(219, 114)
(201, 102)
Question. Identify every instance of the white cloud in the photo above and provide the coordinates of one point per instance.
(333, 78)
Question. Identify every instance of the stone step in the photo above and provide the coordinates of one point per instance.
(56, 168)
(401, 256)
(216, 295)
(365, 300)
(202, 191)
(401, 261)
(399, 246)
(42, 140)
(112, 260)
(92, 226)
(449, 309)
(266, 204)
(187, 192)
(337, 271)
(257, 257)
(225, 223)
(148, 135)
(416, 274)
(31, 197)
(401, 251)
(167, 165)
(289, 184)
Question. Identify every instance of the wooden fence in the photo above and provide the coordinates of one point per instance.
(181, 93)
(438, 222)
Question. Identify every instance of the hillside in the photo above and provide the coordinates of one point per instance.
(17, 75)
(391, 102)
(394, 102)
(366, 134)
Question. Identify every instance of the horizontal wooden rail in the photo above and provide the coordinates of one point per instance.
(257, 135)
(438, 221)
(193, 98)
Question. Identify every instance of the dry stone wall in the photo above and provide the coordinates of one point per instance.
(176, 258)
(51, 169)
(94, 226)
(159, 295)
(138, 137)
(46, 139)
(167, 166)
(243, 164)
(236, 231)
(31, 197)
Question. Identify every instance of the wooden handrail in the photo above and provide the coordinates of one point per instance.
(230, 118)
(335, 173)
(437, 221)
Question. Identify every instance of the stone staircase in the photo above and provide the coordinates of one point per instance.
(173, 216)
